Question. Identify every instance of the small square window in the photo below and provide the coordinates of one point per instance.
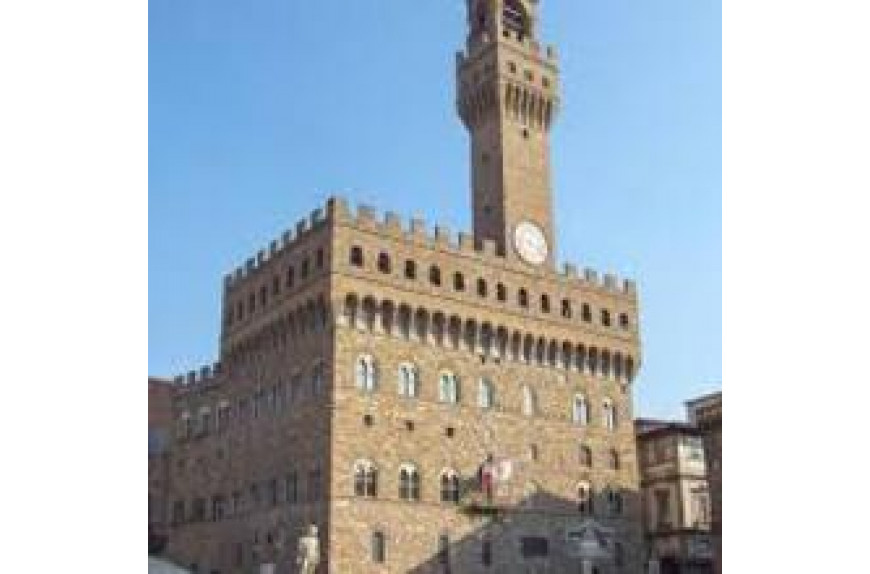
(450, 432)
(368, 420)
(409, 426)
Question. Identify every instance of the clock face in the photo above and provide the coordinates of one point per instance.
(531, 243)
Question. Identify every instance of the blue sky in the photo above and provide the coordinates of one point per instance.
(260, 110)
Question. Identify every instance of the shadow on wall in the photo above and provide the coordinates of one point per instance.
(543, 533)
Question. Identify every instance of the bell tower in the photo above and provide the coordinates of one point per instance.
(508, 97)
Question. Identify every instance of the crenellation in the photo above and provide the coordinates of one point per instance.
(317, 217)
(466, 243)
(610, 282)
(590, 276)
(273, 248)
(301, 227)
(366, 215)
(261, 257)
(629, 286)
(418, 229)
(337, 209)
(250, 265)
(392, 225)
(287, 238)
(570, 271)
(442, 236)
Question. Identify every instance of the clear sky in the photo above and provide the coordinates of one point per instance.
(259, 110)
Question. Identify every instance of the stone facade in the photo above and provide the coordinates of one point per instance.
(160, 425)
(675, 496)
(370, 366)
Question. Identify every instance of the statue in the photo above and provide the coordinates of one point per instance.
(308, 552)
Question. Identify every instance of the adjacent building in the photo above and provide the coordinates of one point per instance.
(706, 414)
(160, 428)
(676, 498)
(431, 402)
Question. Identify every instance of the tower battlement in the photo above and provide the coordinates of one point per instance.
(197, 379)
(418, 232)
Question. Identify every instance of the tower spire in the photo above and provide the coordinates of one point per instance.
(507, 97)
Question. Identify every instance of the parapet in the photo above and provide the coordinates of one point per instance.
(334, 208)
(414, 230)
(439, 236)
(205, 376)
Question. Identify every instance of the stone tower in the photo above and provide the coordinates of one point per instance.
(507, 96)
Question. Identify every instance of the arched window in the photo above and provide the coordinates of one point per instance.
(580, 410)
(409, 482)
(379, 547)
(366, 373)
(514, 18)
(530, 401)
(586, 313)
(409, 381)
(448, 388)
(609, 411)
(384, 265)
(545, 303)
(435, 275)
(356, 256)
(450, 486)
(584, 499)
(566, 308)
(485, 394)
(501, 292)
(613, 459)
(481, 287)
(605, 317)
(410, 269)
(365, 479)
(458, 281)
(523, 298)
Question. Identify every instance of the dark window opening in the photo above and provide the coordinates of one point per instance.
(384, 265)
(566, 309)
(605, 317)
(435, 275)
(410, 269)
(356, 256)
(545, 303)
(481, 287)
(501, 292)
(586, 313)
(458, 282)
(523, 298)
(379, 550)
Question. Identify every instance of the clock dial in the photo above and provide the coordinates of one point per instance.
(531, 243)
